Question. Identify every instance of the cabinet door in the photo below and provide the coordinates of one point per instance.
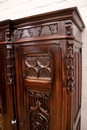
(38, 78)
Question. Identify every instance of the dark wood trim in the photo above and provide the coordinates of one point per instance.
(56, 37)
(70, 13)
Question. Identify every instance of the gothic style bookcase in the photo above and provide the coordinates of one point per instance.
(41, 71)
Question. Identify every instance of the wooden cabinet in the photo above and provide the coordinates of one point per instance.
(41, 71)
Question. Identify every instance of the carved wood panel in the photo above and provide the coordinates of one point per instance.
(77, 92)
(38, 109)
(36, 31)
(39, 118)
(38, 66)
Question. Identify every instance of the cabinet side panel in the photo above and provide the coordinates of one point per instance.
(77, 91)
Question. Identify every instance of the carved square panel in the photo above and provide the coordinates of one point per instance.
(38, 66)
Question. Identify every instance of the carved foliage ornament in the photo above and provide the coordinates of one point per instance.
(39, 94)
(43, 30)
(38, 66)
(38, 118)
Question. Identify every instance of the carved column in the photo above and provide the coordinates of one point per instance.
(10, 74)
(70, 66)
(10, 59)
(70, 56)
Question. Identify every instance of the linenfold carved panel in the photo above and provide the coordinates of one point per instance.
(38, 118)
(42, 30)
(38, 66)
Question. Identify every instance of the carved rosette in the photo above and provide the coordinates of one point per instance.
(38, 118)
(70, 66)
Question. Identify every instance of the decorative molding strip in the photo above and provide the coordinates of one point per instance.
(39, 94)
(70, 66)
(42, 30)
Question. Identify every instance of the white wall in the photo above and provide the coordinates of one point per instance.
(13, 9)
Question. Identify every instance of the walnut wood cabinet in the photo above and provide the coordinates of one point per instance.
(41, 71)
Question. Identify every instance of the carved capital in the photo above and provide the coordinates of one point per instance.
(68, 27)
(9, 35)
